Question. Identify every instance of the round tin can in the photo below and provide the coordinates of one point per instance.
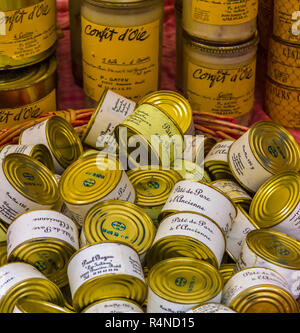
(284, 63)
(211, 308)
(175, 105)
(235, 192)
(112, 110)
(152, 188)
(264, 150)
(276, 205)
(188, 235)
(3, 247)
(92, 179)
(282, 104)
(226, 271)
(38, 306)
(116, 305)
(28, 185)
(259, 290)
(199, 197)
(27, 92)
(286, 21)
(275, 250)
(18, 280)
(45, 239)
(220, 22)
(160, 138)
(38, 152)
(176, 285)
(103, 271)
(59, 137)
(118, 220)
(27, 32)
(240, 227)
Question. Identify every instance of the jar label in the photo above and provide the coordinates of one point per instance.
(287, 20)
(124, 60)
(12, 117)
(29, 31)
(227, 92)
(282, 104)
(224, 12)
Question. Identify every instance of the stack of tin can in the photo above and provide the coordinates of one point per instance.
(282, 86)
(216, 56)
(28, 36)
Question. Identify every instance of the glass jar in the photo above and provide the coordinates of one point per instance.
(121, 47)
(220, 80)
(229, 21)
(75, 38)
(178, 16)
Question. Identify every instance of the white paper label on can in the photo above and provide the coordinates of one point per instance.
(12, 203)
(233, 190)
(18, 149)
(245, 166)
(219, 152)
(101, 259)
(114, 109)
(12, 274)
(198, 197)
(241, 226)
(248, 259)
(114, 306)
(195, 226)
(212, 308)
(42, 224)
(156, 304)
(251, 277)
(123, 191)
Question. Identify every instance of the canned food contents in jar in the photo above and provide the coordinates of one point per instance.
(152, 188)
(211, 308)
(27, 32)
(199, 197)
(276, 205)
(45, 239)
(221, 80)
(27, 92)
(92, 179)
(28, 185)
(286, 25)
(38, 152)
(282, 104)
(174, 105)
(103, 271)
(264, 150)
(259, 290)
(25, 305)
(18, 280)
(114, 306)
(176, 285)
(121, 47)
(119, 220)
(220, 22)
(190, 235)
(179, 54)
(275, 250)
(75, 40)
(159, 137)
(241, 226)
(112, 109)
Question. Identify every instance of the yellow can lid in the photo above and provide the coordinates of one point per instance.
(38, 306)
(185, 280)
(276, 199)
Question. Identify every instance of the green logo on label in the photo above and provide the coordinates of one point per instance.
(180, 282)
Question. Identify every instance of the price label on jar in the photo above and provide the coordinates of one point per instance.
(124, 60)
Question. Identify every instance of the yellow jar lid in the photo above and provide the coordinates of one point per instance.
(174, 104)
(185, 280)
(89, 179)
(275, 247)
(119, 220)
(276, 199)
(31, 179)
